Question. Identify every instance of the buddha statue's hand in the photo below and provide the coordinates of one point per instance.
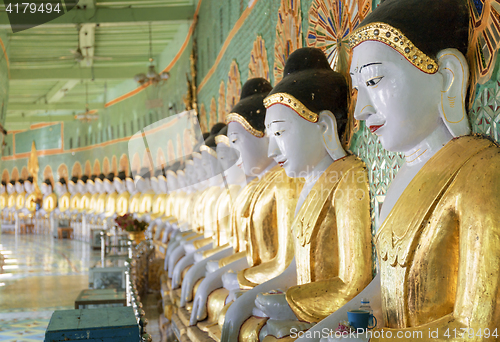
(230, 281)
(275, 306)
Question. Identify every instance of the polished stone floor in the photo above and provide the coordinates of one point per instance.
(39, 274)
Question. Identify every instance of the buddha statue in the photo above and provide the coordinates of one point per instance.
(143, 185)
(122, 200)
(63, 196)
(235, 180)
(159, 205)
(75, 197)
(21, 194)
(81, 185)
(261, 214)
(110, 207)
(331, 232)
(11, 200)
(3, 195)
(435, 246)
(158, 200)
(30, 200)
(206, 208)
(100, 206)
(133, 205)
(49, 202)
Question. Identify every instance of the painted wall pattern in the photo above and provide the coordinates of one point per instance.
(259, 65)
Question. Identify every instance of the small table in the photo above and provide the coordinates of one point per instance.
(105, 324)
(100, 297)
(67, 230)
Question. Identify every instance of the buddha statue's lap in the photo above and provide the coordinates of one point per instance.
(435, 246)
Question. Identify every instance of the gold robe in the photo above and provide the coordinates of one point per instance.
(63, 202)
(74, 202)
(11, 201)
(122, 202)
(158, 206)
(332, 238)
(134, 203)
(49, 202)
(20, 200)
(145, 203)
(3, 200)
(270, 213)
(84, 202)
(111, 204)
(439, 247)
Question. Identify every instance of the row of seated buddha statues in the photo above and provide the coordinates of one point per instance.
(269, 236)
(19, 203)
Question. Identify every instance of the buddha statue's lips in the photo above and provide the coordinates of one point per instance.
(375, 128)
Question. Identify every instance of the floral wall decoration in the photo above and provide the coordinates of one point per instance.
(213, 114)
(330, 23)
(259, 66)
(233, 87)
(221, 114)
(288, 35)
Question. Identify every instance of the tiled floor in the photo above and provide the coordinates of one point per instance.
(38, 275)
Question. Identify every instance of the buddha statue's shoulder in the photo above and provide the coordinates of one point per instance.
(125, 195)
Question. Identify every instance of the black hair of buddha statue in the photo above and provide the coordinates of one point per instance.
(30, 179)
(62, 181)
(48, 182)
(74, 179)
(21, 181)
(309, 78)
(101, 176)
(216, 128)
(210, 141)
(251, 105)
(145, 173)
(205, 135)
(4, 183)
(13, 182)
(431, 25)
(84, 178)
(121, 175)
(93, 177)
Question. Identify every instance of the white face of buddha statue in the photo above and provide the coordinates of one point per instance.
(162, 184)
(171, 182)
(200, 170)
(154, 185)
(252, 150)
(130, 185)
(210, 164)
(28, 187)
(43, 188)
(228, 158)
(119, 185)
(181, 180)
(10, 188)
(90, 186)
(294, 143)
(403, 105)
(2, 189)
(80, 186)
(19, 187)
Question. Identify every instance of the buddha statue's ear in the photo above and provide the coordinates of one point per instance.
(455, 71)
(331, 140)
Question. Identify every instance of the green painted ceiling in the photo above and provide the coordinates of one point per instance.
(45, 78)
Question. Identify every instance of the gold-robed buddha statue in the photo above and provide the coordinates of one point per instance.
(330, 238)
(437, 246)
(261, 214)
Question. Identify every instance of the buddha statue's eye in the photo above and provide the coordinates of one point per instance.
(278, 133)
(374, 81)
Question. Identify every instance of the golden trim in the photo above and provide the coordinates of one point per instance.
(116, 179)
(395, 39)
(190, 162)
(411, 161)
(235, 117)
(290, 101)
(222, 139)
(205, 148)
(196, 155)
